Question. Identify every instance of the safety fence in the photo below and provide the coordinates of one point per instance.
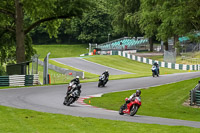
(104, 52)
(129, 55)
(161, 64)
(19, 80)
(195, 95)
(57, 78)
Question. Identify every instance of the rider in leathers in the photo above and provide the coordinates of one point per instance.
(137, 94)
(106, 76)
(157, 66)
(77, 83)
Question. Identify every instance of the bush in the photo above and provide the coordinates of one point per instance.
(2, 71)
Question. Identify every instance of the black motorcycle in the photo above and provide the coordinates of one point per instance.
(102, 80)
(72, 94)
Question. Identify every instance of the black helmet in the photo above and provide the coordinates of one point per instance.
(138, 92)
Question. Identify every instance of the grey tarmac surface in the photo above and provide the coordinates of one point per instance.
(84, 65)
(50, 99)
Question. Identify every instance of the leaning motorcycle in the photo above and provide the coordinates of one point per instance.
(102, 80)
(154, 71)
(131, 108)
(72, 94)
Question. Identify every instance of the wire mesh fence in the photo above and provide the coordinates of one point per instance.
(57, 78)
(35, 64)
(170, 56)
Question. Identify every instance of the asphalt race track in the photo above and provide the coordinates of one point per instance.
(50, 99)
(88, 66)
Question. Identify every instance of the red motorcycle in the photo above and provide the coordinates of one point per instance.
(131, 108)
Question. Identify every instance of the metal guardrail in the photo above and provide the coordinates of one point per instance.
(4, 80)
(195, 95)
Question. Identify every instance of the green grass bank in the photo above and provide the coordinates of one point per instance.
(62, 50)
(26, 121)
(161, 101)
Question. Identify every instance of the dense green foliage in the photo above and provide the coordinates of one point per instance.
(124, 17)
(93, 27)
(168, 18)
(19, 17)
(92, 21)
(161, 101)
(2, 71)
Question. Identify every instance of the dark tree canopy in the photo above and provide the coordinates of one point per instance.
(19, 17)
(90, 21)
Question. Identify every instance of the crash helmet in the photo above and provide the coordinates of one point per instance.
(156, 63)
(107, 71)
(77, 77)
(138, 93)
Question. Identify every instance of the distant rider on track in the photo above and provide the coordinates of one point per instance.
(157, 66)
(106, 76)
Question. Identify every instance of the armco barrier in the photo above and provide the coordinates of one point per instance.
(4, 80)
(195, 95)
(19, 80)
(151, 62)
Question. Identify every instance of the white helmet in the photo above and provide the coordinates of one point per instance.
(106, 70)
(77, 77)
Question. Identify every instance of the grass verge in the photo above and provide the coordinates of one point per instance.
(59, 51)
(89, 77)
(139, 69)
(21, 120)
(161, 101)
(189, 58)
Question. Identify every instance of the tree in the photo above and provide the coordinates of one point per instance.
(148, 19)
(95, 25)
(124, 20)
(21, 16)
(166, 19)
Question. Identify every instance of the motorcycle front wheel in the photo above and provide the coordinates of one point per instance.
(153, 74)
(121, 110)
(69, 101)
(99, 84)
(65, 100)
(134, 110)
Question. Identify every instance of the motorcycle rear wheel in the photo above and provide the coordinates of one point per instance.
(134, 110)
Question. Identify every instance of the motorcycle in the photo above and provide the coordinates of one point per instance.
(154, 71)
(131, 108)
(102, 80)
(72, 94)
